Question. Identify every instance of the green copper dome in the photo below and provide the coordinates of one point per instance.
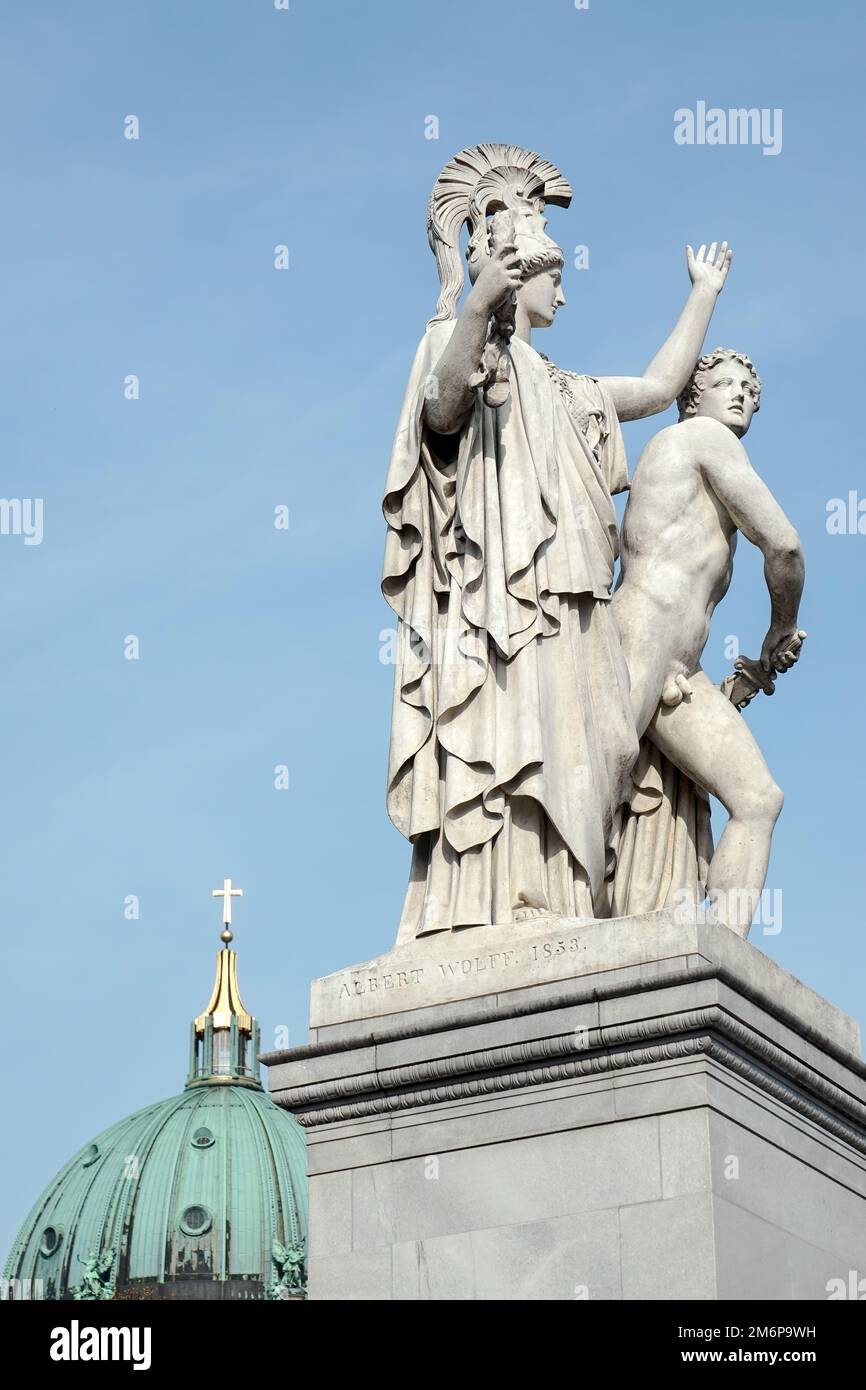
(200, 1196)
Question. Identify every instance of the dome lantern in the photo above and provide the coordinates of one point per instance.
(224, 1039)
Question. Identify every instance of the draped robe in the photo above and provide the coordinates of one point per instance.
(664, 842)
(512, 738)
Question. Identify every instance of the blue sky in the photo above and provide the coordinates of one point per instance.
(260, 387)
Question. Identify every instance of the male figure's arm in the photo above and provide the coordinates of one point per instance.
(637, 396)
(726, 467)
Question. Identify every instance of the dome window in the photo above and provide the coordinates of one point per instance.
(203, 1138)
(222, 1052)
(90, 1155)
(196, 1221)
(51, 1238)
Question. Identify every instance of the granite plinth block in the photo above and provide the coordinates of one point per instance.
(657, 1111)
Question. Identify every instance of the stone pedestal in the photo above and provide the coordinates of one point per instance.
(632, 1109)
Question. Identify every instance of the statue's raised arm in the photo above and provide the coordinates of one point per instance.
(670, 369)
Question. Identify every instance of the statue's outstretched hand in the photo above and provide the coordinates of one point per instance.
(708, 268)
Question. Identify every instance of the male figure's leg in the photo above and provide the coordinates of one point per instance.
(710, 741)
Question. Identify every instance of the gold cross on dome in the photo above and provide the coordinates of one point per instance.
(227, 893)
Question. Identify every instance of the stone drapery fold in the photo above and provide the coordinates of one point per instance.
(665, 841)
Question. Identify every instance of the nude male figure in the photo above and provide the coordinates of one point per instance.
(694, 489)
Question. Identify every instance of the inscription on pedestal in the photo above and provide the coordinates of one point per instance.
(431, 971)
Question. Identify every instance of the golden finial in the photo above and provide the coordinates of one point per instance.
(225, 1001)
(227, 893)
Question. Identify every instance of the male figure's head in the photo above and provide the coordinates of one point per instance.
(725, 387)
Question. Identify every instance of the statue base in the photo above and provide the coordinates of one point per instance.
(630, 1109)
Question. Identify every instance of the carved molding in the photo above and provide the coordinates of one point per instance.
(568, 994)
(710, 1031)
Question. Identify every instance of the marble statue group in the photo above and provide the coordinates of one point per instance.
(554, 737)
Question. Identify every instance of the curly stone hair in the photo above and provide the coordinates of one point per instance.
(687, 400)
